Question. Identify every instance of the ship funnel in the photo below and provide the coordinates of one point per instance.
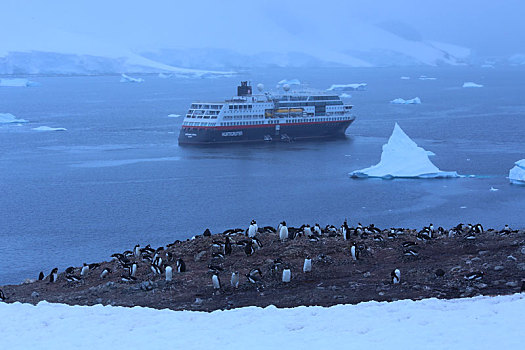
(244, 89)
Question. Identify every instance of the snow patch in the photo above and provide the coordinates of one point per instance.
(348, 87)
(6, 118)
(517, 174)
(400, 101)
(470, 84)
(127, 79)
(402, 158)
(47, 128)
(17, 82)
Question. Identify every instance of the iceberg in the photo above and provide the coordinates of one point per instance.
(348, 87)
(17, 82)
(517, 174)
(127, 79)
(470, 84)
(400, 101)
(6, 118)
(48, 128)
(403, 158)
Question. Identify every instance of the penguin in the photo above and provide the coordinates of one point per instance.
(73, 278)
(216, 281)
(254, 276)
(474, 276)
(307, 231)
(478, 228)
(287, 275)
(234, 281)
(217, 256)
(378, 238)
(214, 268)
(408, 244)
(53, 275)
(70, 270)
(354, 252)
(307, 266)
(84, 271)
(317, 230)
(105, 272)
(41, 276)
(283, 232)
(181, 266)
(470, 236)
(157, 261)
(133, 270)
(169, 273)
(136, 251)
(252, 230)
(2, 295)
(155, 269)
(410, 252)
(227, 246)
(248, 248)
(125, 278)
(506, 230)
(395, 275)
(359, 229)
(207, 233)
(256, 243)
(93, 266)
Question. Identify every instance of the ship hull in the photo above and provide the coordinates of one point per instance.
(262, 133)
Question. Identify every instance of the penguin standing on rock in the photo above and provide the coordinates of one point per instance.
(234, 281)
(287, 275)
(216, 281)
(181, 266)
(2, 296)
(283, 231)
(41, 276)
(84, 271)
(169, 273)
(252, 230)
(105, 272)
(317, 230)
(307, 230)
(307, 267)
(227, 246)
(53, 276)
(354, 252)
(395, 275)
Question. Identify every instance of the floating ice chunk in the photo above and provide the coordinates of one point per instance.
(348, 87)
(289, 82)
(173, 115)
(430, 153)
(405, 78)
(424, 77)
(47, 128)
(403, 158)
(165, 76)
(517, 174)
(494, 189)
(345, 95)
(6, 118)
(470, 84)
(127, 79)
(17, 82)
(400, 101)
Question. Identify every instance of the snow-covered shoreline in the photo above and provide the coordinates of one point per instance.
(473, 323)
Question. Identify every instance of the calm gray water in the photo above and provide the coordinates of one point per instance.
(117, 177)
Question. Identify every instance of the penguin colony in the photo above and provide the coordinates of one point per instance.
(142, 264)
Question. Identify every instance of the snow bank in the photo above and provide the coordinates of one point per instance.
(348, 87)
(127, 79)
(402, 157)
(470, 323)
(470, 84)
(400, 101)
(9, 118)
(47, 128)
(17, 82)
(517, 174)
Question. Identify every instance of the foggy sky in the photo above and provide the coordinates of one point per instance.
(490, 28)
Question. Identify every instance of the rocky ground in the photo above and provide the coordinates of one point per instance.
(439, 270)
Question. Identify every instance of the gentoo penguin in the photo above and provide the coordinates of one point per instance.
(317, 230)
(136, 250)
(396, 276)
(257, 244)
(207, 233)
(234, 281)
(70, 270)
(410, 252)
(155, 269)
(84, 271)
(252, 230)
(254, 276)
(169, 273)
(359, 229)
(307, 230)
(105, 272)
(344, 232)
(181, 266)
(287, 275)
(478, 228)
(227, 246)
(41, 276)
(474, 276)
(2, 296)
(125, 278)
(506, 230)
(53, 275)
(354, 252)
(307, 266)
(216, 281)
(248, 248)
(73, 278)
(133, 270)
(283, 231)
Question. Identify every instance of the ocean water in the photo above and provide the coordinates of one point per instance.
(117, 177)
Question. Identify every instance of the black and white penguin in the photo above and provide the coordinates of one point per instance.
(169, 273)
(252, 230)
(359, 229)
(105, 272)
(2, 295)
(254, 276)
(283, 231)
(70, 270)
(216, 281)
(53, 275)
(234, 281)
(506, 230)
(474, 276)
(410, 252)
(354, 252)
(155, 269)
(317, 230)
(207, 233)
(307, 266)
(84, 271)
(136, 251)
(125, 278)
(217, 256)
(73, 278)
(41, 276)
(287, 275)
(395, 276)
(307, 230)
(133, 270)
(257, 244)
(248, 248)
(227, 246)
(215, 268)
(478, 228)
(93, 266)
(181, 266)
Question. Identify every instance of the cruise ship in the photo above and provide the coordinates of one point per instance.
(265, 117)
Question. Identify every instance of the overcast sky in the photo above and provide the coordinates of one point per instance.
(488, 27)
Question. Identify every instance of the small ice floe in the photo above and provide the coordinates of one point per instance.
(348, 87)
(403, 158)
(173, 115)
(7, 118)
(345, 95)
(47, 128)
(424, 77)
(165, 76)
(470, 84)
(405, 78)
(430, 153)
(463, 207)
(494, 189)
(127, 79)
(517, 174)
(400, 101)
(17, 82)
